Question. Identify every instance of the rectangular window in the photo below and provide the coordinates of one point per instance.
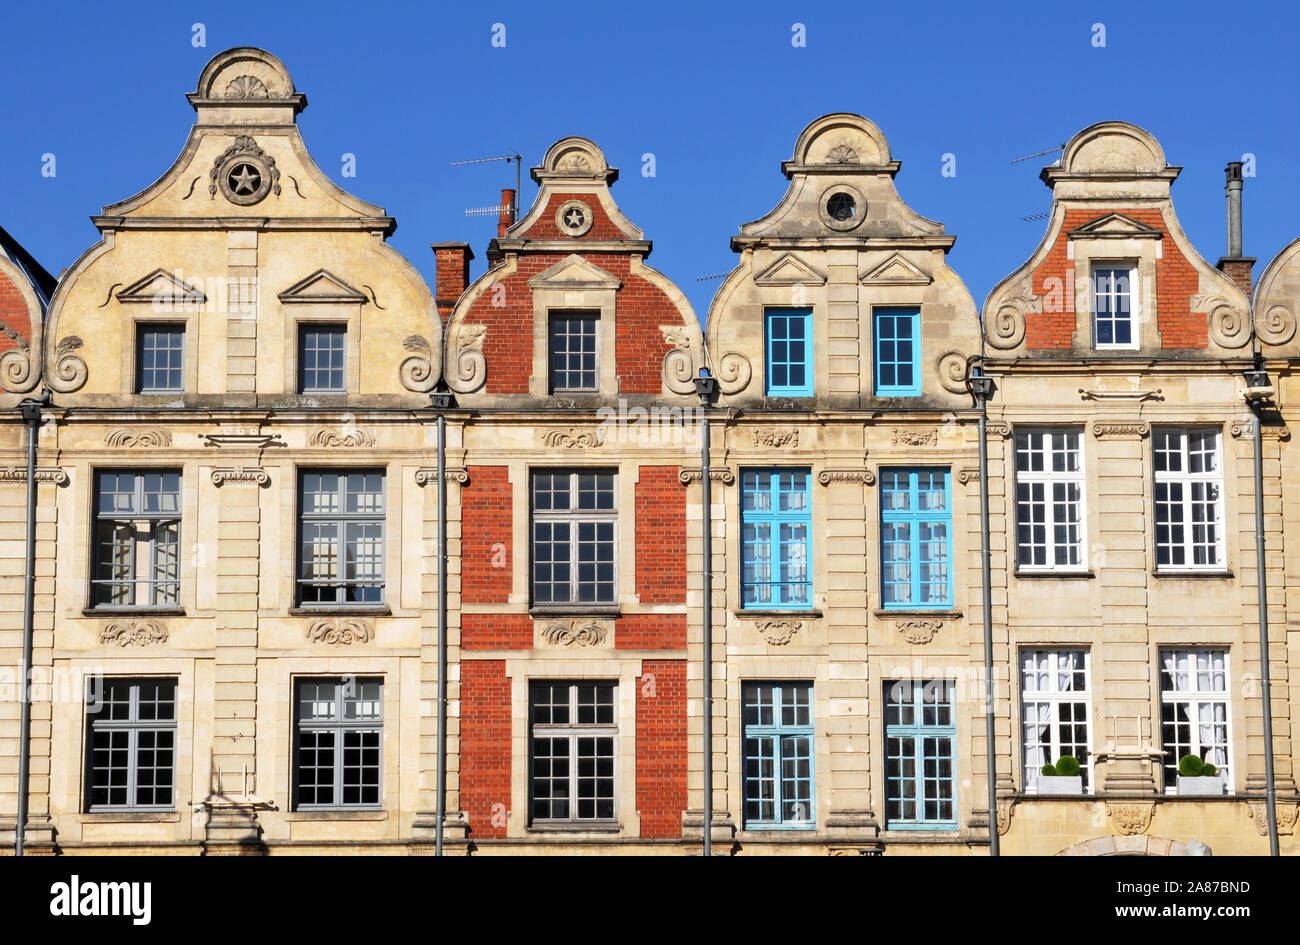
(574, 519)
(137, 539)
(575, 346)
(915, 538)
(779, 756)
(130, 744)
(1055, 711)
(898, 352)
(1049, 499)
(789, 352)
(776, 518)
(574, 733)
(920, 775)
(1194, 710)
(160, 359)
(1113, 307)
(338, 741)
(321, 359)
(1188, 498)
(341, 552)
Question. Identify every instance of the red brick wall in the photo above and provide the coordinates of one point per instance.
(486, 521)
(661, 747)
(1176, 282)
(496, 632)
(660, 536)
(650, 632)
(485, 745)
(602, 227)
(640, 308)
(13, 314)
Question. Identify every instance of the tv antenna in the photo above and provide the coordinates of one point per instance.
(1059, 147)
(516, 159)
(710, 278)
(1037, 216)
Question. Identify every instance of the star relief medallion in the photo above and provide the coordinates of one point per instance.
(244, 179)
(244, 173)
(574, 218)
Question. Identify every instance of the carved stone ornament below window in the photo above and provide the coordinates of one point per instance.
(776, 439)
(341, 631)
(574, 633)
(778, 632)
(331, 439)
(133, 633)
(137, 439)
(917, 632)
(572, 439)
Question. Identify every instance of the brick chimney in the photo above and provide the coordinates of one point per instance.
(453, 274)
(508, 215)
(1234, 265)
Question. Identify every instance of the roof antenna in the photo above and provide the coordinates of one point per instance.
(508, 209)
(1059, 147)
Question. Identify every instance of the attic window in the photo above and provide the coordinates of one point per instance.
(841, 206)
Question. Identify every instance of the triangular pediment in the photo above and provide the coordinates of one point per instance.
(790, 270)
(574, 272)
(1115, 226)
(322, 286)
(163, 288)
(896, 270)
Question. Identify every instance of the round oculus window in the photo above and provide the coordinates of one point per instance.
(841, 206)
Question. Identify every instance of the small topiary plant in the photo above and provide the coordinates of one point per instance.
(1209, 770)
(1048, 771)
(1191, 766)
(1067, 766)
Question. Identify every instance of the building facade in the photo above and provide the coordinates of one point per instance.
(236, 601)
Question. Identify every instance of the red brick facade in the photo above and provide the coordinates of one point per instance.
(1176, 283)
(660, 536)
(661, 747)
(650, 632)
(485, 746)
(496, 632)
(14, 315)
(486, 523)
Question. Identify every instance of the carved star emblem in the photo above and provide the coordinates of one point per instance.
(244, 180)
(574, 219)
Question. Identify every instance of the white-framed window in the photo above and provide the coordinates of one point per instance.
(573, 728)
(1114, 306)
(1056, 711)
(1188, 466)
(1195, 717)
(1050, 511)
(574, 526)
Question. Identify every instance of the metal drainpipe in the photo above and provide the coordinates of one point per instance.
(1262, 582)
(31, 413)
(706, 498)
(441, 806)
(982, 387)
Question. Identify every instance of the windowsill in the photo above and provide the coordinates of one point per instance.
(131, 817)
(575, 610)
(180, 392)
(342, 610)
(904, 831)
(1067, 575)
(360, 813)
(945, 612)
(127, 610)
(1190, 573)
(322, 393)
(576, 828)
(772, 612)
(761, 829)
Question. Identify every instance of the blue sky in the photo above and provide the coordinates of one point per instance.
(717, 93)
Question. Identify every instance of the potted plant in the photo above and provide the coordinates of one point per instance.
(1198, 778)
(1061, 778)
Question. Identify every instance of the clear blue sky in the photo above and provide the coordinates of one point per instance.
(717, 94)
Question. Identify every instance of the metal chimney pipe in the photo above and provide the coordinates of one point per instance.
(1233, 190)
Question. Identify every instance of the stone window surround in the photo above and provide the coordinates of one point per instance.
(548, 302)
(300, 314)
(626, 674)
(188, 319)
(1138, 254)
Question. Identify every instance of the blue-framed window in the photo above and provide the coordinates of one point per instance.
(915, 538)
(775, 520)
(789, 352)
(779, 756)
(898, 352)
(920, 768)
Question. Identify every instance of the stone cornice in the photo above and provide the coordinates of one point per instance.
(54, 474)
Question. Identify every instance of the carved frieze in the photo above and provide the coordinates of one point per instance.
(778, 631)
(716, 474)
(917, 632)
(52, 474)
(1246, 428)
(123, 438)
(254, 474)
(427, 474)
(968, 475)
(241, 439)
(905, 437)
(1123, 430)
(341, 631)
(776, 439)
(133, 633)
(863, 476)
(575, 633)
(1287, 814)
(332, 439)
(572, 439)
(998, 428)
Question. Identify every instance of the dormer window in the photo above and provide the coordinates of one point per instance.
(1114, 306)
(575, 361)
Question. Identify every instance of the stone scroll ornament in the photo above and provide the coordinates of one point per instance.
(341, 632)
(416, 370)
(17, 375)
(70, 371)
(952, 372)
(678, 367)
(468, 373)
(1229, 327)
(734, 372)
(1007, 328)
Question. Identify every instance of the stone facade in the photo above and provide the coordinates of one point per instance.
(309, 353)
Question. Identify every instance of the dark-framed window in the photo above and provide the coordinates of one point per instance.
(573, 729)
(788, 333)
(575, 351)
(920, 765)
(775, 523)
(160, 359)
(322, 358)
(341, 544)
(898, 351)
(338, 743)
(779, 781)
(137, 538)
(130, 744)
(574, 529)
